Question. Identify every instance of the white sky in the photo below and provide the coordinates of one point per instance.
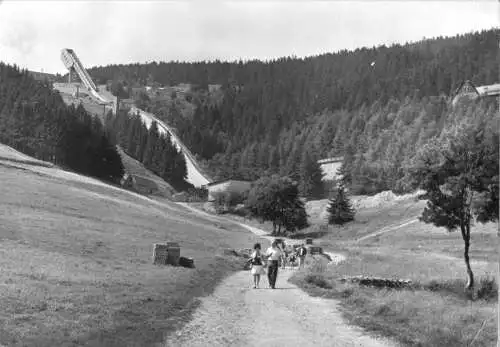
(32, 33)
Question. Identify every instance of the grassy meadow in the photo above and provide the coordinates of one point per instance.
(435, 311)
(75, 261)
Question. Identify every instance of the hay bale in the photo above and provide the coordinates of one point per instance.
(174, 253)
(160, 254)
(166, 253)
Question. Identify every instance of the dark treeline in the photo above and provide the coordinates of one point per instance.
(336, 80)
(371, 105)
(149, 147)
(35, 121)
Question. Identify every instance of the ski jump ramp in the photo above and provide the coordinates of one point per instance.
(195, 175)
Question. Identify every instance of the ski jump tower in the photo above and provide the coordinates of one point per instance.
(73, 64)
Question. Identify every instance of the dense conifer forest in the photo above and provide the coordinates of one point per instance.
(149, 147)
(374, 106)
(35, 121)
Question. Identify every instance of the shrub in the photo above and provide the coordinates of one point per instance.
(318, 280)
(316, 266)
(347, 292)
(487, 289)
(227, 201)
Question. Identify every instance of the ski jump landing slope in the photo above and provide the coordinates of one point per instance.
(194, 174)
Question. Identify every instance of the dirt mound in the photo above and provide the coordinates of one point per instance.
(383, 199)
(317, 209)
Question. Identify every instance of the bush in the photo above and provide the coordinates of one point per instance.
(318, 280)
(487, 289)
(241, 210)
(197, 194)
(227, 201)
(317, 266)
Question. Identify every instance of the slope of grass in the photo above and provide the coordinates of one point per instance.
(135, 167)
(75, 260)
(444, 317)
(431, 257)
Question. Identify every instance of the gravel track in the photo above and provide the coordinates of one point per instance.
(238, 315)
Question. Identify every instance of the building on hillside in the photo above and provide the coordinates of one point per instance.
(467, 90)
(139, 184)
(41, 76)
(228, 185)
(492, 90)
(126, 104)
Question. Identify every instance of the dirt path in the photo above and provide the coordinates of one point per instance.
(387, 229)
(237, 315)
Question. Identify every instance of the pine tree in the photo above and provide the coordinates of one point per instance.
(166, 158)
(311, 176)
(133, 136)
(157, 159)
(340, 209)
(143, 139)
(274, 160)
(151, 145)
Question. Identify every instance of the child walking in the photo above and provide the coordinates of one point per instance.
(257, 265)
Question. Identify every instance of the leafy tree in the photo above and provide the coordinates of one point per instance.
(276, 199)
(459, 173)
(340, 210)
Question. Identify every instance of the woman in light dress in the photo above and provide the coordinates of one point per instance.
(257, 262)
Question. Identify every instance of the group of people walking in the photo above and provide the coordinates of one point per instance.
(271, 259)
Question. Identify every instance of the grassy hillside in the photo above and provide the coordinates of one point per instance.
(135, 167)
(442, 314)
(75, 260)
(130, 164)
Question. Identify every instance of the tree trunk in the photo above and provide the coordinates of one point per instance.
(466, 237)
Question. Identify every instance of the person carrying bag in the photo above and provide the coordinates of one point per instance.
(257, 262)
